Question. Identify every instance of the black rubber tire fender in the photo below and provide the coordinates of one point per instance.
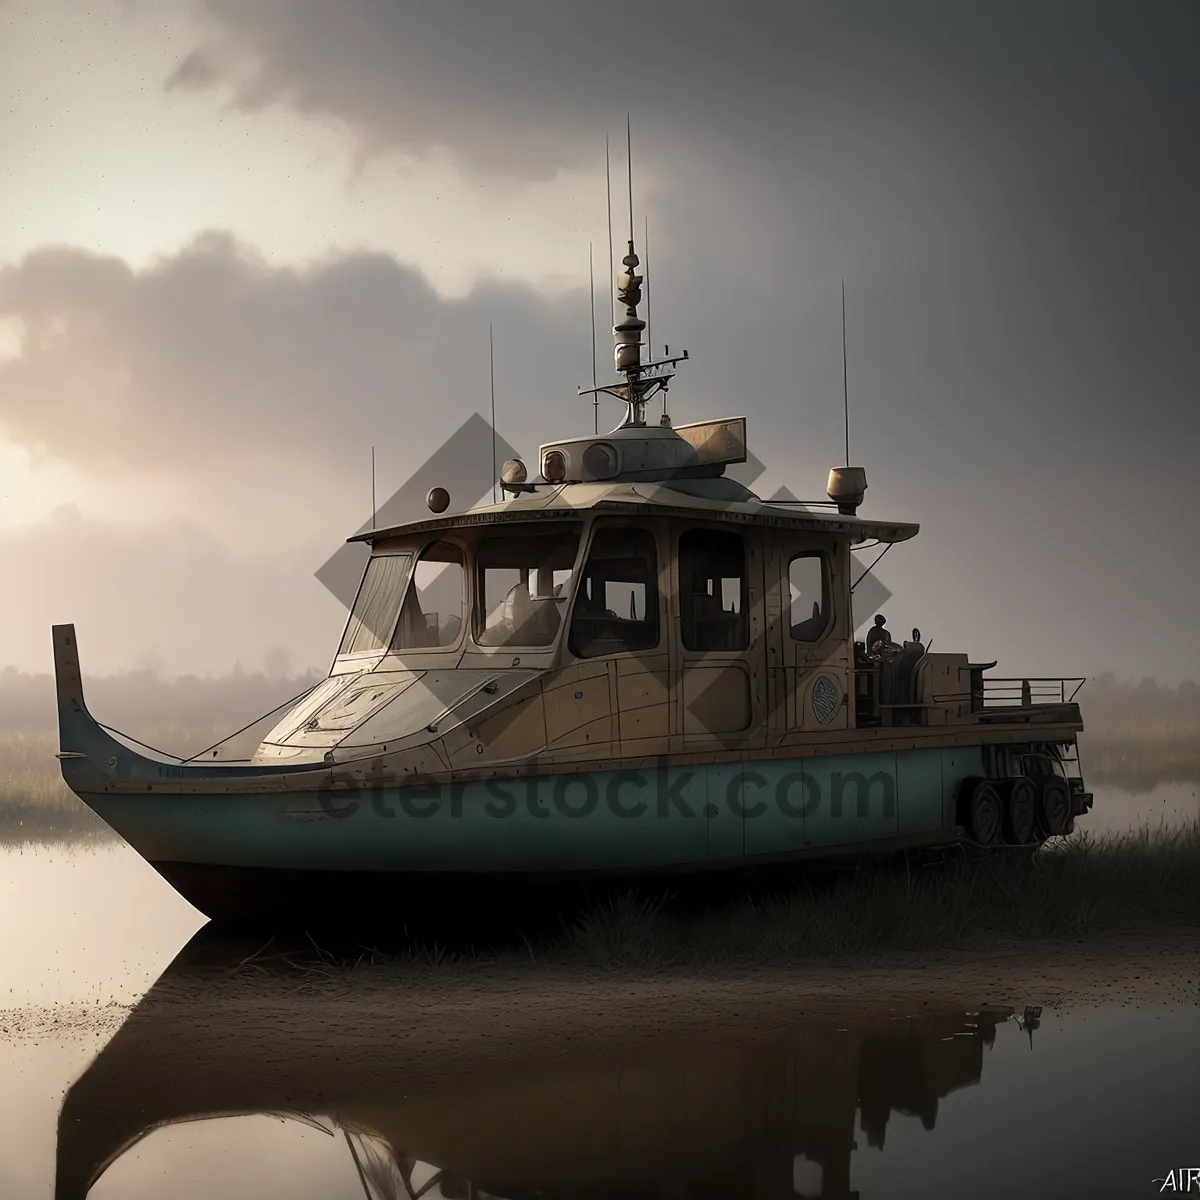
(981, 812)
(1019, 797)
(1054, 807)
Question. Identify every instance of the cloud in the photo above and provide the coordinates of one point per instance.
(1022, 178)
(262, 389)
(195, 73)
(967, 93)
(211, 360)
(1009, 192)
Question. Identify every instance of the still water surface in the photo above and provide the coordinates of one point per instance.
(195, 1097)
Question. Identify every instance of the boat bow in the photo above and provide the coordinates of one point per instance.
(90, 756)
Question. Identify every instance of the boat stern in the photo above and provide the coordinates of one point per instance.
(1081, 801)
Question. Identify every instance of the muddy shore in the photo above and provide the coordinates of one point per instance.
(565, 1006)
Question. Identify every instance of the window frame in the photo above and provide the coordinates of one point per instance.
(565, 528)
(418, 555)
(343, 655)
(598, 527)
(683, 594)
(828, 603)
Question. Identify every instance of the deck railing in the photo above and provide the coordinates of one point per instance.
(1010, 692)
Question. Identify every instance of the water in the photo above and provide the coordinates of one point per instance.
(1118, 812)
(274, 1082)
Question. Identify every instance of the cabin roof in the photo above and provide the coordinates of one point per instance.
(717, 499)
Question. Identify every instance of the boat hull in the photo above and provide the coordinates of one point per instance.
(250, 840)
(241, 854)
(382, 901)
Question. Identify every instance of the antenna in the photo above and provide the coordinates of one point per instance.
(595, 390)
(492, 377)
(664, 419)
(372, 487)
(646, 288)
(629, 172)
(612, 273)
(845, 385)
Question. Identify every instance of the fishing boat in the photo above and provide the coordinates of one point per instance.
(435, 1101)
(629, 664)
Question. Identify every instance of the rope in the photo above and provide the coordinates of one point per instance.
(251, 724)
(144, 745)
(215, 745)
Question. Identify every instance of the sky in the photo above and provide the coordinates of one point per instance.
(245, 241)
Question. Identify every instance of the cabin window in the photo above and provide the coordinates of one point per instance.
(376, 604)
(616, 608)
(432, 613)
(714, 600)
(809, 585)
(524, 583)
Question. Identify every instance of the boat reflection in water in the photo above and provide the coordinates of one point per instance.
(469, 1111)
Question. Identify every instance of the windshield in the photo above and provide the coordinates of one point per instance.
(431, 617)
(377, 604)
(524, 582)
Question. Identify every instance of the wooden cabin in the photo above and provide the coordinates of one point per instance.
(663, 610)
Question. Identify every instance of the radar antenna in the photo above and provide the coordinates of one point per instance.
(642, 380)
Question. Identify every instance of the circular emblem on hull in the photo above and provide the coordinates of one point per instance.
(826, 698)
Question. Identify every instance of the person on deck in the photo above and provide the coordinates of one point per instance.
(878, 637)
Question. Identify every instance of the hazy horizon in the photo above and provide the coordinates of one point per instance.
(151, 696)
(276, 663)
(246, 243)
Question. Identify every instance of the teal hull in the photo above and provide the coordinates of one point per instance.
(658, 818)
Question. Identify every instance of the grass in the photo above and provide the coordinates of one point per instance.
(1076, 887)
(37, 807)
(1083, 884)
(35, 804)
(1080, 885)
(1138, 759)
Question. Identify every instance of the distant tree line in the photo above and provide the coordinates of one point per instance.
(1109, 702)
(145, 700)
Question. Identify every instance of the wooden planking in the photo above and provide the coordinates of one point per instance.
(577, 706)
(716, 699)
(643, 700)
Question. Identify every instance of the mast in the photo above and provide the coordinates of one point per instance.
(627, 337)
(643, 379)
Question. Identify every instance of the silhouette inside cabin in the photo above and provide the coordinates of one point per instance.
(878, 637)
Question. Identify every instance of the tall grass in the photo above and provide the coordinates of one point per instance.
(35, 804)
(1081, 885)
(1139, 757)
(1073, 888)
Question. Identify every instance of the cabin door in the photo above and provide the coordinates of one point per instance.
(720, 644)
(813, 633)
